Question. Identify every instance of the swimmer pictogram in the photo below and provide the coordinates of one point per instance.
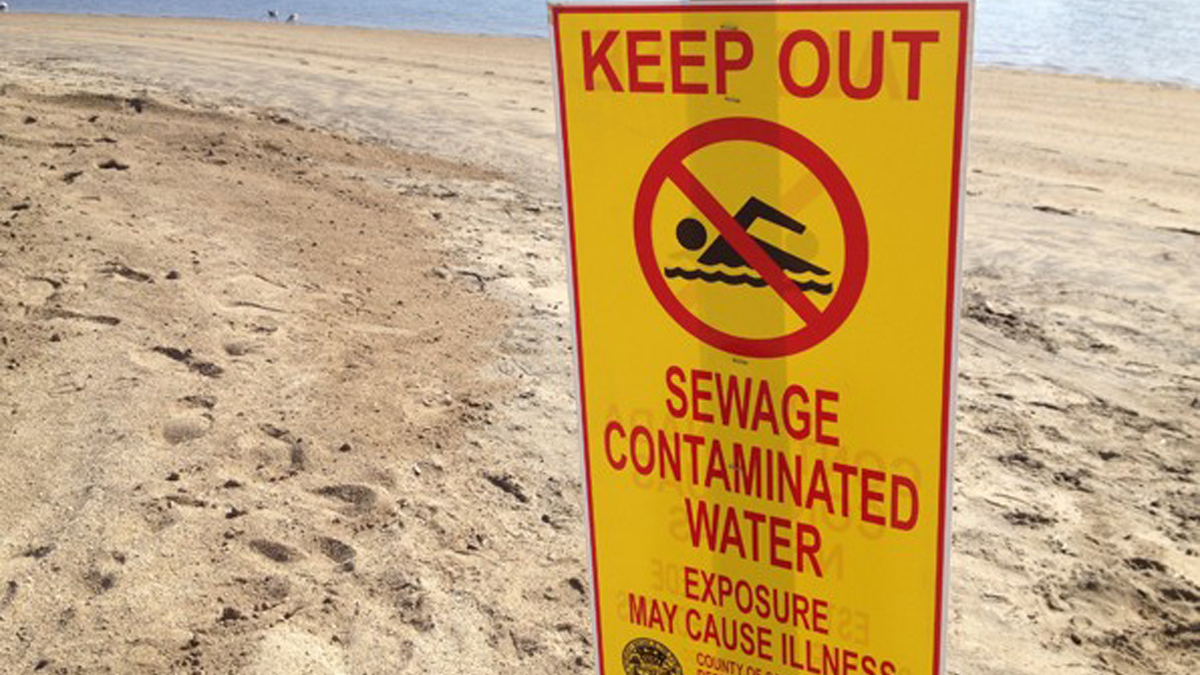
(756, 263)
(693, 236)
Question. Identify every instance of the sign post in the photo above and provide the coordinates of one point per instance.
(764, 210)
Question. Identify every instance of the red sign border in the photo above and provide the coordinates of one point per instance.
(952, 268)
(791, 142)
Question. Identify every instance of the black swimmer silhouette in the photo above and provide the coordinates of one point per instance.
(692, 235)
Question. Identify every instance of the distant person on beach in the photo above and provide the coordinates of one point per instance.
(3, 7)
(272, 15)
(293, 18)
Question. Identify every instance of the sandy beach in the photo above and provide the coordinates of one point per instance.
(287, 382)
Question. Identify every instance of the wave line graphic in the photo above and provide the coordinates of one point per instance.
(739, 279)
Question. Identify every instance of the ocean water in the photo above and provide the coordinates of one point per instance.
(1154, 40)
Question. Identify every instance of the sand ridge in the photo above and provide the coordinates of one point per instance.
(341, 439)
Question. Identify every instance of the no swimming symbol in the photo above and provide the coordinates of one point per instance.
(693, 236)
(735, 247)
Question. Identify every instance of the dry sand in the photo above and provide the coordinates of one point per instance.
(286, 382)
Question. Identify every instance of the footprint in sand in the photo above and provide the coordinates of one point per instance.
(336, 550)
(358, 496)
(99, 582)
(254, 292)
(194, 363)
(113, 165)
(273, 550)
(186, 427)
(37, 291)
(239, 347)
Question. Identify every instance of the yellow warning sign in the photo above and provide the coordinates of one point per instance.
(764, 215)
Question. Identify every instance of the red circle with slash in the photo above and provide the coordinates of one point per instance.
(668, 165)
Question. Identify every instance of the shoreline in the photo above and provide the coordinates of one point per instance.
(279, 22)
(977, 64)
